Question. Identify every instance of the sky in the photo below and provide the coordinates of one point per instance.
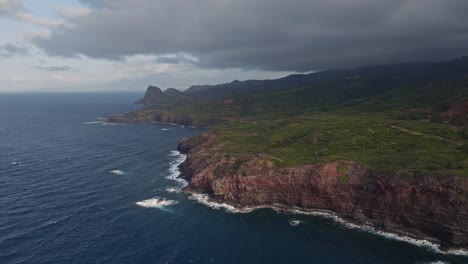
(117, 45)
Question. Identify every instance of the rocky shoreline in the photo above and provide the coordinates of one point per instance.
(425, 207)
(164, 117)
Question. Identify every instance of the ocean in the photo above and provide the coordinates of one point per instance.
(76, 189)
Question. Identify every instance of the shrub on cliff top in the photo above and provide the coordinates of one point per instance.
(341, 168)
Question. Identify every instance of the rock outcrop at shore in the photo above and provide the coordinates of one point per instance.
(424, 207)
(164, 117)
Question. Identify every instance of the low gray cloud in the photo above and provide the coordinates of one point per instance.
(176, 59)
(296, 35)
(15, 9)
(54, 68)
(10, 50)
(11, 7)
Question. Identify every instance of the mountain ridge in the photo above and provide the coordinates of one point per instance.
(402, 72)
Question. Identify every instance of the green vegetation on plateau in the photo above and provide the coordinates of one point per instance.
(383, 143)
(412, 120)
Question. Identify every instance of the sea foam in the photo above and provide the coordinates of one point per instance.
(101, 121)
(204, 199)
(174, 171)
(92, 122)
(155, 203)
(173, 190)
(117, 172)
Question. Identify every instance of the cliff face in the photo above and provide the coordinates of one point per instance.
(152, 95)
(424, 207)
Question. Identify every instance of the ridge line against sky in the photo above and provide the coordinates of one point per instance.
(88, 45)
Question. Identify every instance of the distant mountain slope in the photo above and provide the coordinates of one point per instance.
(391, 74)
(304, 80)
(409, 91)
(155, 96)
(379, 79)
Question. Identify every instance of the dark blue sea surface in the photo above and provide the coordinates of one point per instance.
(69, 184)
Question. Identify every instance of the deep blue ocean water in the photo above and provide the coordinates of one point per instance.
(69, 184)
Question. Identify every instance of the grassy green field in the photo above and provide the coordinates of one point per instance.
(382, 143)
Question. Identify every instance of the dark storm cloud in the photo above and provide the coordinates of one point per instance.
(297, 35)
(54, 68)
(10, 50)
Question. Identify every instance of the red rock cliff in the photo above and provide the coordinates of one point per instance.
(422, 207)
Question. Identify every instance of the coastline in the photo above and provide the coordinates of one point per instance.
(389, 204)
(164, 118)
(206, 200)
(183, 174)
(427, 243)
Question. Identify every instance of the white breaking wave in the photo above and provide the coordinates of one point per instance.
(117, 172)
(155, 203)
(293, 222)
(174, 171)
(165, 129)
(14, 163)
(100, 120)
(205, 199)
(164, 123)
(108, 124)
(173, 190)
(174, 153)
(92, 122)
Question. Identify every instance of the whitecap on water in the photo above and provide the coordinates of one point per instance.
(108, 124)
(165, 129)
(155, 203)
(293, 222)
(173, 190)
(92, 122)
(117, 172)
